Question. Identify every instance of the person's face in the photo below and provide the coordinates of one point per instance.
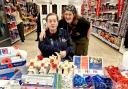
(52, 22)
(68, 15)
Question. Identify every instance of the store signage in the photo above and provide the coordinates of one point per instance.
(120, 7)
(95, 65)
(84, 63)
(89, 5)
(91, 65)
(76, 60)
(98, 7)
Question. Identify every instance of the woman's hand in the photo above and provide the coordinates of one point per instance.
(63, 54)
(42, 35)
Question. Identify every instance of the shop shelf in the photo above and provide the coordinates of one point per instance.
(104, 40)
(105, 29)
(112, 22)
(102, 28)
(17, 39)
(110, 11)
(29, 32)
(102, 19)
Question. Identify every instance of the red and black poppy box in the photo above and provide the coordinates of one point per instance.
(12, 63)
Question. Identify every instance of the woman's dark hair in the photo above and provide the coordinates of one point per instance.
(72, 9)
(50, 15)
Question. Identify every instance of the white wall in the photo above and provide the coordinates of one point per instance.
(41, 1)
(59, 4)
(60, 1)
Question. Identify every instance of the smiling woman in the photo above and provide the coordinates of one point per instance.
(78, 27)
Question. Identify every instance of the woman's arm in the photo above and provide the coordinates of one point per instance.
(42, 34)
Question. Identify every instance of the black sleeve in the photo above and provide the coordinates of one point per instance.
(85, 23)
(84, 26)
(46, 48)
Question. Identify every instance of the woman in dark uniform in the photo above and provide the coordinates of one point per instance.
(56, 40)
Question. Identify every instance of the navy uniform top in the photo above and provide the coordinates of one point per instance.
(55, 43)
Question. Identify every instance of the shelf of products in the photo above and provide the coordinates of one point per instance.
(30, 31)
(11, 22)
(106, 21)
(4, 31)
(123, 30)
(29, 20)
(29, 23)
(105, 29)
(106, 41)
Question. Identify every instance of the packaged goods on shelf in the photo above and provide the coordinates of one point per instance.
(13, 63)
(108, 22)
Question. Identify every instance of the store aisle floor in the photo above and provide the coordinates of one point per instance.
(30, 45)
(99, 49)
(96, 48)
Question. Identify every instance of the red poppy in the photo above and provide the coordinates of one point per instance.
(4, 78)
(52, 63)
(54, 66)
(31, 63)
(40, 57)
(52, 60)
(6, 60)
(10, 65)
(18, 54)
(42, 64)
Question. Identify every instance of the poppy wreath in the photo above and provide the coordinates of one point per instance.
(10, 65)
(6, 60)
(39, 57)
